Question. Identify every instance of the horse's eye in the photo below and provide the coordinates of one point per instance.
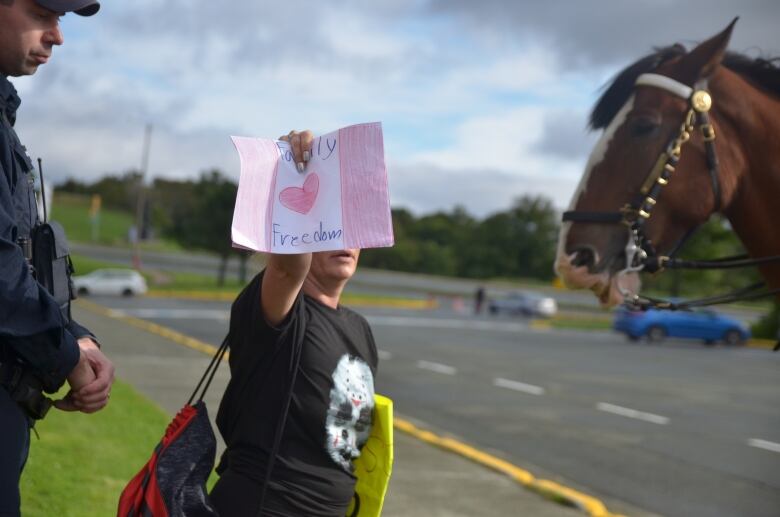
(644, 126)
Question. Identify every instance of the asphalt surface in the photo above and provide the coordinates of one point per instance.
(366, 280)
(673, 429)
(427, 481)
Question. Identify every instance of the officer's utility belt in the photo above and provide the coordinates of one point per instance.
(25, 389)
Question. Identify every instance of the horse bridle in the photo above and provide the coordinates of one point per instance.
(639, 250)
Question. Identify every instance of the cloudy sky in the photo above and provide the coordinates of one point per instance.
(480, 102)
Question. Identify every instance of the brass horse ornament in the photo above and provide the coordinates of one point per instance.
(685, 135)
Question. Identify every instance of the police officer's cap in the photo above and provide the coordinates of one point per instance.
(82, 7)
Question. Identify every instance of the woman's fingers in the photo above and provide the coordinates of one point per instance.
(300, 145)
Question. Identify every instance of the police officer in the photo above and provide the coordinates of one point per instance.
(40, 348)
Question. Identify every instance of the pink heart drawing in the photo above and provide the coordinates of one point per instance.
(301, 199)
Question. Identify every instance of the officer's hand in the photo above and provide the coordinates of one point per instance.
(301, 144)
(93, 396)
(81, 375)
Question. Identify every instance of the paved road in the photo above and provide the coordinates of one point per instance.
(366, 280)
(676, 429)
(427, 481)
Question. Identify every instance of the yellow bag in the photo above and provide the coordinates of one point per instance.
(375, 464)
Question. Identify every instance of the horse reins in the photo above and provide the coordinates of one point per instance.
(639, 250)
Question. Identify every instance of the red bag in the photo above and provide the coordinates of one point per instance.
(173, 481)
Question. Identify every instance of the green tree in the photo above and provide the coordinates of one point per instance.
(203, 219)
(712, 240)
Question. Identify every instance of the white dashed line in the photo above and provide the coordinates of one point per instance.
(632, 413)
(764, 444)
(518, 386)
(437, 367)
(445, 323)
(384, 355)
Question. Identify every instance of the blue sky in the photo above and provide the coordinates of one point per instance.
(480, 102)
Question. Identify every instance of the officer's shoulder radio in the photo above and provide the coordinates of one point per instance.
(48, 256)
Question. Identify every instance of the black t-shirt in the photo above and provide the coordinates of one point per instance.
(330, 412)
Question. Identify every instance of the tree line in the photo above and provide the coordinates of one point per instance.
(519, 242)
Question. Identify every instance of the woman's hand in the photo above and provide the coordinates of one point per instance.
(301, 144)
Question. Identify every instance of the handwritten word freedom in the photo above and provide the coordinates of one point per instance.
(320, 235)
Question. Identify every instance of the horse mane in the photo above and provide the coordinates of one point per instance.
(764, 73)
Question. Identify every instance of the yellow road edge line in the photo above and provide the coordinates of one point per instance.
(550, 489)
(547, 488)
(154, 328)
(761, 343)
(537, 324)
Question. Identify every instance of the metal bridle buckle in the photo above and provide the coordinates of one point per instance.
(708, 132)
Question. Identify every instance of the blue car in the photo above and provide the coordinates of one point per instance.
(656, 325)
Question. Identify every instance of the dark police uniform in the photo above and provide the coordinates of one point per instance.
(35, 336)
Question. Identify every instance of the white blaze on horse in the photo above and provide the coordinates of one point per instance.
(685, 135)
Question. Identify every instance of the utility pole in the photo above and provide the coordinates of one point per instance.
(139, 209)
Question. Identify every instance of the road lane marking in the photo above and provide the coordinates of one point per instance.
(764, 444)
(175, 314)
(518, 386)
(384, 355)
(445, 323)
(437, 367)
(632, 413)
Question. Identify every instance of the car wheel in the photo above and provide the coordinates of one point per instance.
(656, 334)
(82, 291)
(733, 337)
(632, 338)
(127, 292)
(493, 310)
(709, 342)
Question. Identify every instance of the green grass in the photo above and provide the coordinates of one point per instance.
(82, 462)
(168, 281)
(580, 323)
(161, 280)
(72, 212)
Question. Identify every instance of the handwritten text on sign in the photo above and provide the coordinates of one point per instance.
(340, 201)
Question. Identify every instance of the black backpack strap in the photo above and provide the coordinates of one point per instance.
(208, 375)
(282, 421)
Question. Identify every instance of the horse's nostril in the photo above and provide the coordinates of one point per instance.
(584, 257)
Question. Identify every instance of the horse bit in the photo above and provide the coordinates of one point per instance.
(639, 250)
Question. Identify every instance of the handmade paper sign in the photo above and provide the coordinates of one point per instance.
(340, 201)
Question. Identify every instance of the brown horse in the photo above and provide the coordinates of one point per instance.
(649, 172)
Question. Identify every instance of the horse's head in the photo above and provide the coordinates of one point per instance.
(640, 119)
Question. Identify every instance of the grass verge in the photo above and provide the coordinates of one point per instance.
(82, 462)
(190, 285)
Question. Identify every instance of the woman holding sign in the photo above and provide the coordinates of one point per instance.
(298, 406)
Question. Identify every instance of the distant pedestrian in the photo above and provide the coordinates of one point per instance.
(479, 299)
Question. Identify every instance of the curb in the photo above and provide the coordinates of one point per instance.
(176, 337)
(549, 489)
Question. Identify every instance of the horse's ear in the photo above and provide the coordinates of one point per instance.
(701, 62)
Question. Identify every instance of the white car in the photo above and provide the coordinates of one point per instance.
(125, 282)
(525, 303)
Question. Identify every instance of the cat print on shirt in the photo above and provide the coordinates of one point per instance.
(348, 423)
